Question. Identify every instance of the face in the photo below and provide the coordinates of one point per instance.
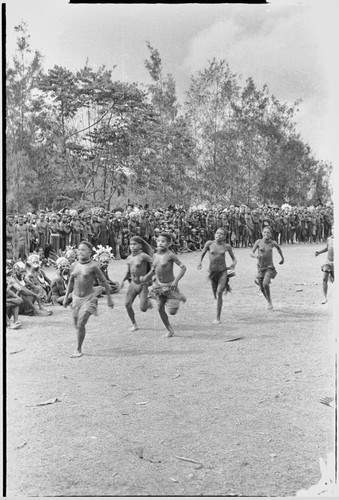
(20, 220)
(135, 247)
(162, 243)
(219, 235)
(42, 217)
(84, 252)
(35, 261)
(267, 233)
(19, 271)
(104, 261)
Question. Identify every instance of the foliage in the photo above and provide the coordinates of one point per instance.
(82, 139)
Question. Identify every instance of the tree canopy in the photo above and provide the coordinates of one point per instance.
(82, 138)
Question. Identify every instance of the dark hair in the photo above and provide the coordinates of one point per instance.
(87, 243)
(167, 236)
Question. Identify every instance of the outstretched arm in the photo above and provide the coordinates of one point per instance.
(324, 250)
(203, 253)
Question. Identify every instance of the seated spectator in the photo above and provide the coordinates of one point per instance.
(103, 255)
(13, 302)
(37, 279)
(17, 284)
(60, 282)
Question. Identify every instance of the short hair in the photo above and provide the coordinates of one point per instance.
(167, 236)
(87, 243)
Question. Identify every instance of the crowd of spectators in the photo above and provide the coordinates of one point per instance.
(52, 232)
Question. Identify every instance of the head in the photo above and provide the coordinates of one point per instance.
(63, 266)
(85, 251)
(33, 261)
(267, 233)
(42, 216)
(163, 241)
(219, 234)
(135, 245)
(71, 255)
(19, 270)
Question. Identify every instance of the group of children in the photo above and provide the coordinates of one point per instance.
(151, 276)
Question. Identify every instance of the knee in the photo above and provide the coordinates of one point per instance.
(172, 311)
(143, 307)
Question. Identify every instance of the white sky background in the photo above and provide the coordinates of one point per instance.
(288, 45)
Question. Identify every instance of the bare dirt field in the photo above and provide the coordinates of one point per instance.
(240, 400)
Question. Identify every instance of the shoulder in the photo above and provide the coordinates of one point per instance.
(145, 256)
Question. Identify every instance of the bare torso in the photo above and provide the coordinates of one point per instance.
(84, 276)
(163, 265)
(217, 254)
(138, 266)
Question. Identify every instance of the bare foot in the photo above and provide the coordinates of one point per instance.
(170, 333)
(76, 354)
(134, 328)
(216, 322)
(324, 301)
(270, 306)
(183, 298)
(149, 305)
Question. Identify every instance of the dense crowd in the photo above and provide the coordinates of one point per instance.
(62, 239)
(49, 233)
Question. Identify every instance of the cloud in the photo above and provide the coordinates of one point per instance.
(282, 47)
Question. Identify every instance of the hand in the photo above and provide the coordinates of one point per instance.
(174, 285)
(199, 266)
(253, 255)
(110, 303)
(142, 279)
(65, 302)
(316, 254)
(122, 285)
(282, 261)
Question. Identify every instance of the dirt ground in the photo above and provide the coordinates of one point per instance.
(240, 399)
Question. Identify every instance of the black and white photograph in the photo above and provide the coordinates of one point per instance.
(169, 197)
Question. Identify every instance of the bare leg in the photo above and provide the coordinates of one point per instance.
(325, 287)
(145, 302)
(266, 288)
(130, 297)
(164, 317)
(220, 290)
(81, 333)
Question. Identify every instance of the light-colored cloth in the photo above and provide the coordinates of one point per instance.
(164, 289)
(83, 305)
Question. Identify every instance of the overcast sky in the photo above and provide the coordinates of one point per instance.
(289, 45)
